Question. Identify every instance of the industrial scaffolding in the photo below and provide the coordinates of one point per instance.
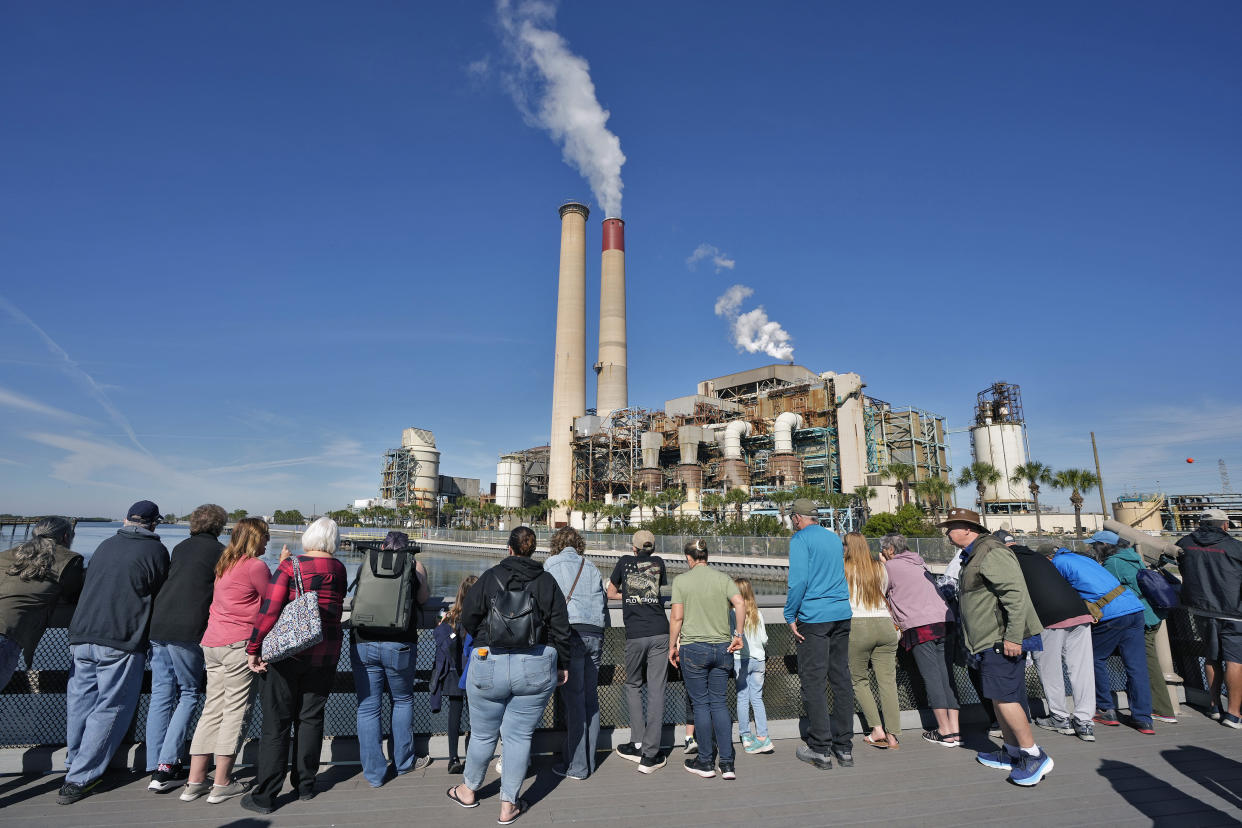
(397, 476)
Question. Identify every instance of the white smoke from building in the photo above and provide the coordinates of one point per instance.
(553, 90)
(710, 251)
(752, 331)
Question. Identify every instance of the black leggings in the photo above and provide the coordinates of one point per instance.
(455, 704)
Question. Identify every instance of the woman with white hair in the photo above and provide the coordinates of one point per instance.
(295, 690)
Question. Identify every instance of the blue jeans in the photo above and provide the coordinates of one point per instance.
(705, 670)
(507, 693)
(376, 663)
(1125, 635)
(580, 695)
(750, 675)
(103, 690)
(178, 677)
(10, 651)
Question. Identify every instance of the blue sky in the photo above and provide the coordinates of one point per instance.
(242, 246)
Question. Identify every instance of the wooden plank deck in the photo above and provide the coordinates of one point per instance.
(1188, 774)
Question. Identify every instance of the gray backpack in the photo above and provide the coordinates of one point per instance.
(384, 590)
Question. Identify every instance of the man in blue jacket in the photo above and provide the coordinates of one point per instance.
(817, 607)
(1120, 629)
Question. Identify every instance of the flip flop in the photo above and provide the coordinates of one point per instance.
(452, 794)
(897, 743)
(882, 744)
(523, 806)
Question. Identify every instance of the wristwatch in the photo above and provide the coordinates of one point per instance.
(737, 635)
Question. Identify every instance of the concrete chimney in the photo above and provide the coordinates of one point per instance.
(612, 389)
(569, 366)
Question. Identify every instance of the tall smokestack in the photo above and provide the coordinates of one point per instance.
(569, 368)
(612, 390)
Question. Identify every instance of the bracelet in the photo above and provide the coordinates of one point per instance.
(737, 635)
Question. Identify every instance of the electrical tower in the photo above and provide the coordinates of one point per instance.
(1224, 476)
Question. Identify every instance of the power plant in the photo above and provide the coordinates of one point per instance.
(773, 427)
(998, 437)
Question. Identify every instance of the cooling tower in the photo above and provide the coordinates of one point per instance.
(611, 391)
(569, 366)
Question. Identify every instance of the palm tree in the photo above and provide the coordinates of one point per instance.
(545, 509)
(1079, 482)
(982, 475)
(935, 490)
(900, 472)
(713, 502)
(737, 497)
(1033, 473)
(839, 501)
(593, 508)
(865, 493)
(671, 498)
(782, 498)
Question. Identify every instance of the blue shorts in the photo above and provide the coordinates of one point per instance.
(1224, 640)
(1003, 678)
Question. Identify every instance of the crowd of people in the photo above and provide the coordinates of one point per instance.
(202, 620)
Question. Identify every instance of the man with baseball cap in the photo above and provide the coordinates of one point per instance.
(817, 608)
(999, 624)
(636, 581)
(108, 637)
(1211, 567)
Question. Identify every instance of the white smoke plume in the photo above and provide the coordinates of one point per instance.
(752, 331)
(553, 90)
(710, 251)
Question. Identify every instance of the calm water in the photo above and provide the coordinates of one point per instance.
(445, 570)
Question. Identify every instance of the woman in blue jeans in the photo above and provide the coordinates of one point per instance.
(387, 658)
(517, 617)
(699, 641)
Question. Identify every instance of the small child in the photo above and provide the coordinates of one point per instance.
(448, 675)
(750, 667)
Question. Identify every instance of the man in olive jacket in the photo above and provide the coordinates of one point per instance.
(999, 623)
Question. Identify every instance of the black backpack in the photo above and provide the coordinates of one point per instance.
(513, 621)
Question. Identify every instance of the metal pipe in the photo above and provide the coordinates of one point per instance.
(782, 439)
(734, 432)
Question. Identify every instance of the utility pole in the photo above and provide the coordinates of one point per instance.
(1099, 477)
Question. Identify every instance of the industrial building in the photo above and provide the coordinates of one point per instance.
(411, 474)
(777, 426)
(1174, 513)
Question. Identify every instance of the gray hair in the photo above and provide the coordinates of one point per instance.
(35, 559)
(321, 536)
(896, 542)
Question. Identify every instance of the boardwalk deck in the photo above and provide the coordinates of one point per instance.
(1188, 774)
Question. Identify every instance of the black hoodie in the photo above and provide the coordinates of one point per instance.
(1054, 599)
(1211, 567)
(549, 602)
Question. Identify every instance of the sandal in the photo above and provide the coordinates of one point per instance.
(896, 743)
(522, 807)
(882, 744)
(452, 794)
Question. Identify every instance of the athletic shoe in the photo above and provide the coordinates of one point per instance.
(994, 729)
(763, 745)
(819, 760)
(703, 769)
(1214, 713)
(726, 771)
(1028, 770)
(1106, 717)
(999, 759)
(193, 790)
(1166, 719)
(455, 766)
(249, 804)
(166, 778)
(499, 767)
(1084, 731)
(1229, 720)
(420, 763)
(691, 748)
(628, 751)
(748, 742)
(942, 739)
(223, 793)
(1143, 727)
(844, 758)
(651, 764)
(1057, 724)
(71, 793)
(563, 772)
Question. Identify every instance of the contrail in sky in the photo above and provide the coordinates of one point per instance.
(71, 367)
(553, 90)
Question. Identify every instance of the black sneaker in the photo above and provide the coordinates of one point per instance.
(456, 766)
(704, 769)
(845, 758)
(819, 760)
(726, 771)
(71, 793)
(628, 751)
(249, 804)
(163, 781)
(651, 764)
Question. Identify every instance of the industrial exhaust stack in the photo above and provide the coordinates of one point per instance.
(569, 367)
(612, 391)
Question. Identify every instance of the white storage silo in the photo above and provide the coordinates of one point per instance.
(998, 438)
(421, 445)
(509, 482)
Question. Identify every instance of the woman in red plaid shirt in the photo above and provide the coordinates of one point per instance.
(295, 690)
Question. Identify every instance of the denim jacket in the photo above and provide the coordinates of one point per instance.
(588, 605)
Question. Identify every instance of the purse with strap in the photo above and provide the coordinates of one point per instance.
(1096, 607)
(574, 585)
(299, 627)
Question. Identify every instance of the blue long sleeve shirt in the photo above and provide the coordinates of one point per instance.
(817, 592)
(1094, 582)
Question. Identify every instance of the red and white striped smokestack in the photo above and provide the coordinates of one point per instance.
(569, 366)
(612, 385)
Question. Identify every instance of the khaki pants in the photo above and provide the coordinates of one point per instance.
(875, 640)
(1161, 704)
(227, 702)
